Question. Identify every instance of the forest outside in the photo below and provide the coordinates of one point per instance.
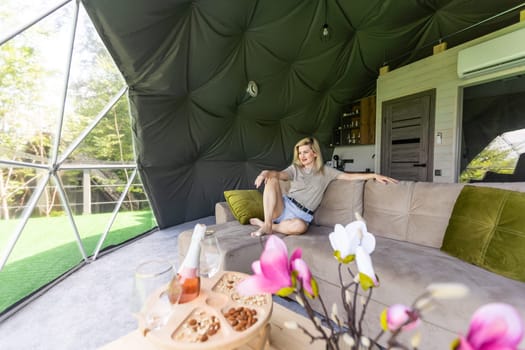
(68, 181)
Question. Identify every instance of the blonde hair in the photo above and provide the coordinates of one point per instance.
(314, 145)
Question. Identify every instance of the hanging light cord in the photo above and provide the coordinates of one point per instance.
(460, 31)
(325, 12)
(325, 28)
(484, 21)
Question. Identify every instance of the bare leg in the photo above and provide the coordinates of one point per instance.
(288, 227)
(273, 207)
(291, 227)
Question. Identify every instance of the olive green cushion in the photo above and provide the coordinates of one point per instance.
(487, 228)
(245, 204)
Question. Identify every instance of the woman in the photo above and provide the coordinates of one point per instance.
(292, 213)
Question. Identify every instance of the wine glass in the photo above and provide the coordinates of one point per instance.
(210, 257)
(154, 290)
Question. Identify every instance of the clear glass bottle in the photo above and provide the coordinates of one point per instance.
(188, 274)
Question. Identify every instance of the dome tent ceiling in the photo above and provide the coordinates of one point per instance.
(197, 132)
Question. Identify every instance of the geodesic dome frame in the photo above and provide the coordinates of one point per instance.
(188, 64)
(63, 158)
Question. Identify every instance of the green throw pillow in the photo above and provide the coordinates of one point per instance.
(245, 204)
(487, 228)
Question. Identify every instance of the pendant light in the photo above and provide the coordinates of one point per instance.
(326, 31)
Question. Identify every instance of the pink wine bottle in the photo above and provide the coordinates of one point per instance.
(188, 273)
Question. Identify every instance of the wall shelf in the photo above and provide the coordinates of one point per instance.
(357, 124)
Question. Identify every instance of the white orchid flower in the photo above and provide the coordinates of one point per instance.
(367, 276)
(355, 242)
(345, 240)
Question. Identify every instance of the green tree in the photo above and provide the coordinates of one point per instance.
(93, 82)
(20, 75)
(111, 140)
(96, 82)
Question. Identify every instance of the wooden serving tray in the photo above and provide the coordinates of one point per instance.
(219, 318)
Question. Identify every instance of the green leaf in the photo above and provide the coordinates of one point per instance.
(286, 291)
(294, 278)
(365, 281)
(384, 321)
(337, 255)
(349, 259)
(315, 289)
(346, 259)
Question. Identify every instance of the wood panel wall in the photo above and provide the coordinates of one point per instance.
(440, 72)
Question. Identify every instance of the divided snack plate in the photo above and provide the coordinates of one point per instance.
(218, 318)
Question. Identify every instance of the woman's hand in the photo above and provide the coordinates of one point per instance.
(260, 179)
(384, 179)
(265, 175)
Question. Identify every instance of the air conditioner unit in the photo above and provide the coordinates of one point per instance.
(496, 54)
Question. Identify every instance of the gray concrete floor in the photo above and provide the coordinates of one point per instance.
(91, 307)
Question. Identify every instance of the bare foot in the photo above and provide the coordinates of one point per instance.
(256, 222)
(259, 233)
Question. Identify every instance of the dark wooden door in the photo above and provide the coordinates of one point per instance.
(407, 142)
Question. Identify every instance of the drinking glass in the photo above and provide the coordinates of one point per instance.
(210, 258)
(151, 299)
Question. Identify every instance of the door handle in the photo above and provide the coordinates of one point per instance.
(420, 165)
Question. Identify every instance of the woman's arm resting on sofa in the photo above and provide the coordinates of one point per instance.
(366, 176)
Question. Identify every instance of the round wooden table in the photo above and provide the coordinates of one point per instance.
(219, 318)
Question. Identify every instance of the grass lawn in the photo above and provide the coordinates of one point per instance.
(47, 248)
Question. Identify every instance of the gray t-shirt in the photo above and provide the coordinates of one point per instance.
(308, 189)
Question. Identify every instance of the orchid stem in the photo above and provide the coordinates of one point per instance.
(364, 310)
(347, 306)
(310, 312)
(354, 315)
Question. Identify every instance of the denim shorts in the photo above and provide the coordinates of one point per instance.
(291, 211)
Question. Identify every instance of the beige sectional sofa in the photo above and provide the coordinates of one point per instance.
(409, 221)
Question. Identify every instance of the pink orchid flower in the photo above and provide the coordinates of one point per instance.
(495, 326)
(303, 272)
(273, 272)
(398, 315)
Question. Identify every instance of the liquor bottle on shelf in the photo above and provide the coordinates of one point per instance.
(188, 273)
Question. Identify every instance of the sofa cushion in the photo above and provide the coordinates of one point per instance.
(416, 212)
(238, 248)
(340, 201)
(429, 212)
(245, 204)
(405, 270)
(223, 213)
(386, 208)
(487, 228)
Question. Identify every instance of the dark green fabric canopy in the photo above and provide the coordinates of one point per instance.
(198, 132)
